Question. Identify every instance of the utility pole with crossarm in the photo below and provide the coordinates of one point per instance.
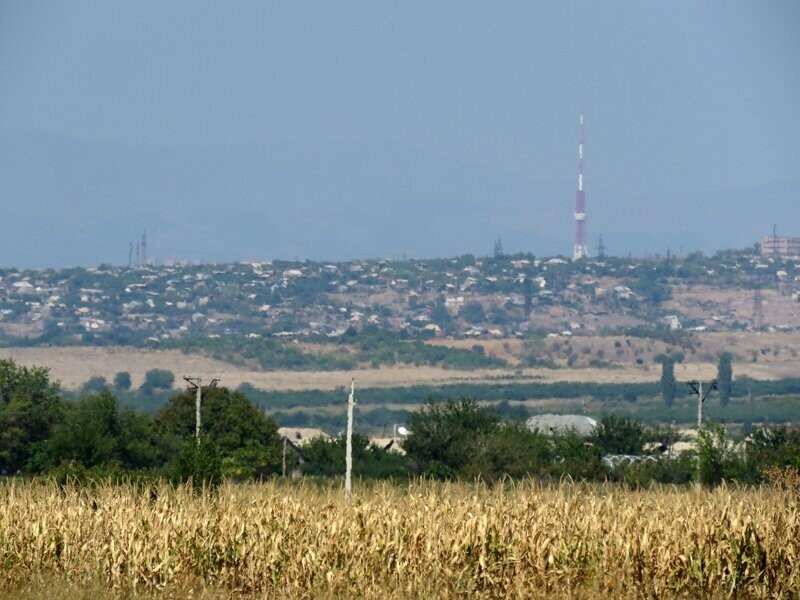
(697, 388)
(197, 384)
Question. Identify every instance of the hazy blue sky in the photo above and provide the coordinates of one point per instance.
(681, 97)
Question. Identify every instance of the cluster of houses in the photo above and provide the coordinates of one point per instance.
(465, 296)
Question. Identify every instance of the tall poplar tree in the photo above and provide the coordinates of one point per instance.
(667, 378)
(725, 377)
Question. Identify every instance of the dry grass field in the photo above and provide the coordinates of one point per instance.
(424, 540)
(775, 352)
(776, 357)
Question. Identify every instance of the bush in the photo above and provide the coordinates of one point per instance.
(438, 470)
(327, 457)
(618, 435)
(199, 461)
(716, 461)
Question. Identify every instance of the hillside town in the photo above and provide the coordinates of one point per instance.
(469, 297)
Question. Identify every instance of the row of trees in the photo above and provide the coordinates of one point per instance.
(371, 345)
(465, 440)
(461, 439)
(154, 380)
(669, 384)
(42, 432)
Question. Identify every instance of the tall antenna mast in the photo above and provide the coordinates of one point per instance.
(774, 240)
(580, 251)
(601, 247)
(144, 248)
(498, 247)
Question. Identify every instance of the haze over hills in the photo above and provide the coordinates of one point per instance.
(77, 202)
(309, 130)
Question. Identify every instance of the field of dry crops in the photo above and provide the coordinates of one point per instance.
(420, 540)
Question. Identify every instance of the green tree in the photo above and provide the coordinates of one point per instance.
(199, 460)
(618, 435)
(30, 405)
(711, 454)
(447, 433)
(327, 457)
(668, 385)
(509, 450)
(473, 313)
(122, 381)
(141, 444)
(725, 377)
(247, 440)
(576, 458)
(441, 316)
(527, 296)
(95, 432)
(89, 432)
(94, 385)
(156, 379)
(775, 446)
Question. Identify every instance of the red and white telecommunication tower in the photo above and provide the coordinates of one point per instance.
(580, 251)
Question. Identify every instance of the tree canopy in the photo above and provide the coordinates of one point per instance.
(30, 406)
(156, 379)
(246, 438)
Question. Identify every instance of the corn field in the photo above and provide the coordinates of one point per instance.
(423, 539)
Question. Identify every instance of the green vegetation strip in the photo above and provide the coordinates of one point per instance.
(498, 392)
(348, 351)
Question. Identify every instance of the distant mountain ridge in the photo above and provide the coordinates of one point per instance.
(75, 202)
